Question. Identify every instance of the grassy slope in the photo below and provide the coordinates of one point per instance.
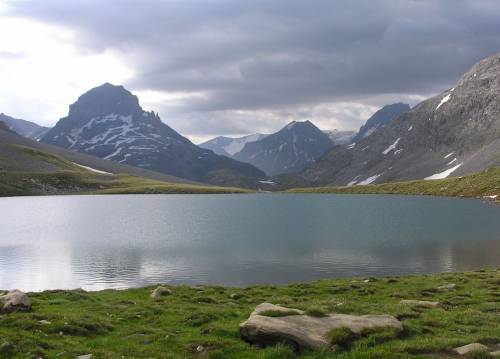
(67, 178)
(128, 324)
(485, 183)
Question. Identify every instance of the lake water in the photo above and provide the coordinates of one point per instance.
(96, 242)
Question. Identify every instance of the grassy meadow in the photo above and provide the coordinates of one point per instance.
(203, 321)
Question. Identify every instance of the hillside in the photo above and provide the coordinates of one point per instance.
(456, 132)
(483, 184)
(23, 127)
(28, 167)
(109, 123)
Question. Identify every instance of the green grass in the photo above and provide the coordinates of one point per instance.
(486, 183)
(129, 324)
(86, 182)
(64, 177)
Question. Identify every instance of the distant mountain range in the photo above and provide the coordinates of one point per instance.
(291, 149)
(454, 133)
(229, 146)
(340, 138)
(285, 151)
(109, 123)
(23, 127)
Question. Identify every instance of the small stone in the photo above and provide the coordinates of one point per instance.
(6, 348)
(85, 356)
(469, 348)
(200, 348)
(447, 286)
(420, 303)
(15, 300)
(44, 322)
(160, 292)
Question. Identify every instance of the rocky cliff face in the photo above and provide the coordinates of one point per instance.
(454, 133)
(291, 149)
(109, 123)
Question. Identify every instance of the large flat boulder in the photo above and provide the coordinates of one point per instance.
(270, 324)
(15, 300)
(471, 348)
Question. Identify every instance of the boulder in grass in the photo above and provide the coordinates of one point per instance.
(270, 324)
(420, 303)
(15, 300)
(160, 292)
(447, 286)
(470, 348)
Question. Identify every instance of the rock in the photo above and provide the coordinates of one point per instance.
(15, 300)
(44, 322)
(469, 348)
(86, 356)
(6, 348)
(160, 292)
(303, 331)
(200, 348)
(447, 286)
(495, 353)
(420, 303)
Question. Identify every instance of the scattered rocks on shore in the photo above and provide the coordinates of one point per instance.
(420, 303)
(159, 292)
(15, 300)
(270, 324)
(469, 348)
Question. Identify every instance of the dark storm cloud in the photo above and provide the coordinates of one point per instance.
(272, 55)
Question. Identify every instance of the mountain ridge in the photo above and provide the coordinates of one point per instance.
(108, 122)
(454, 133)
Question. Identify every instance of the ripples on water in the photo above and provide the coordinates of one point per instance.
(97, 242)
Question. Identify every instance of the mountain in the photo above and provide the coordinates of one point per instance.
(340, 138)
(109, 123)
(229, 146)
(291, 149)
(23, 127)
(380, 118)
(454, 133)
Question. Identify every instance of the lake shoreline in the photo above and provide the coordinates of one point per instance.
(189, 321)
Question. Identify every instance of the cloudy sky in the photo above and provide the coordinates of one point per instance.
(229, 67)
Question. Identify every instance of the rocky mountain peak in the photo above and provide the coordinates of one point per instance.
(108, 122)
(104, 100)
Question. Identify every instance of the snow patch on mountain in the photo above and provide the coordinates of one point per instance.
(391, 147)
(443, 101)
(443, 174)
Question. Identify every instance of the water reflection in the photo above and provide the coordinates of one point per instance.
(123, 241)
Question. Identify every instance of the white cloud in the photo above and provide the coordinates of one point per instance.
(48, 72)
